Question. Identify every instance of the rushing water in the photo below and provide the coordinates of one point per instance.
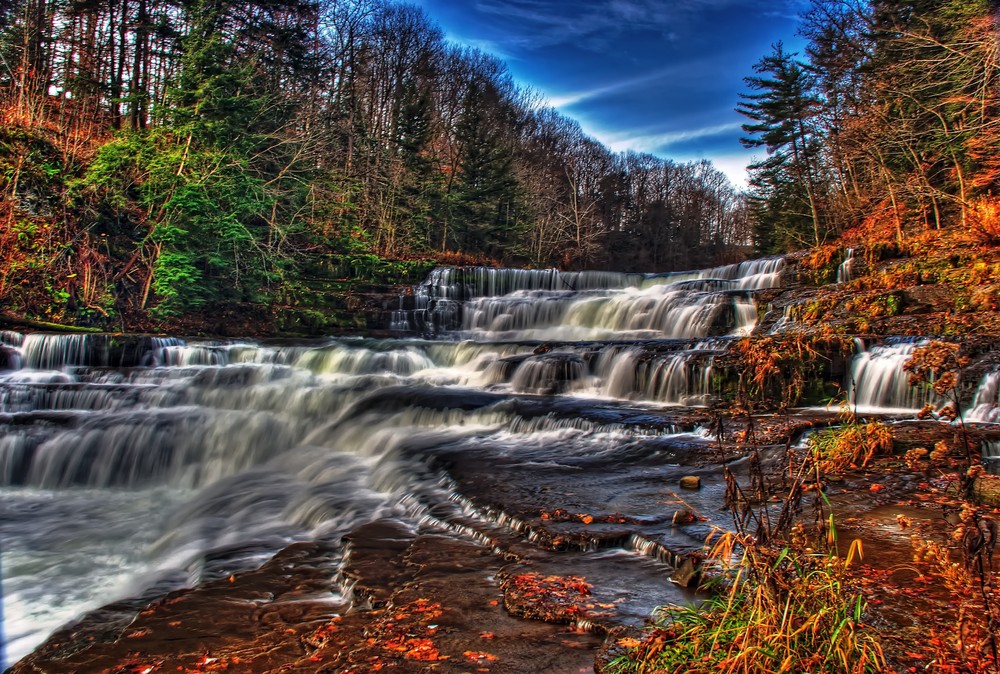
(986, 404)
(133, 466)
(877, 381)
(846, 272)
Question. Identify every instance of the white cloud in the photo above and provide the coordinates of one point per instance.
(734, 166)
(620, 141)
(570, 99)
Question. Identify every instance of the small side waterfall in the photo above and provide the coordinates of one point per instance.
(845, 272)
(877, 381)
(991, 455)
(986, 405)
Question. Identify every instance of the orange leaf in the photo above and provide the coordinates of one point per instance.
(479, 655)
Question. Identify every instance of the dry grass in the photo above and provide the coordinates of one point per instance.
(852, 445)
(782, 611)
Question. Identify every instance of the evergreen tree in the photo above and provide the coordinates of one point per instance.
(782, 108)
(486, 212)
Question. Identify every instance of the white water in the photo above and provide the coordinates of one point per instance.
(145, 474)
(160, 463)
(986, 405)
(502, 304)
(845, 272)
(878, 383)
(991, 455)
(132, 466)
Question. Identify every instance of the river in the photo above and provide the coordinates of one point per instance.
(131, 466)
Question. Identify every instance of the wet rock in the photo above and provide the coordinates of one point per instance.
(690, 482)
(688, 574)
(252, 622)
(685, 516)
(10, 358)
(928, 298)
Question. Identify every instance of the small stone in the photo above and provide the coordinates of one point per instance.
(685, 516)
(690, 482)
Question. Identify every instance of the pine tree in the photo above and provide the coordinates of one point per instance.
(782, 108)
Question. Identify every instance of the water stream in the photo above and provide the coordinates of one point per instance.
(131, 467)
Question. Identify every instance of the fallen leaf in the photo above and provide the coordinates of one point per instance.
(479, 655)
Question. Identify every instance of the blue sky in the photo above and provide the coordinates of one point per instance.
(656, 76)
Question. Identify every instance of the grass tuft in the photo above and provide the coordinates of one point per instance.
(781, 611)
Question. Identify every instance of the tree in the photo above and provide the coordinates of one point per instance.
(782, 109)
(485, 204)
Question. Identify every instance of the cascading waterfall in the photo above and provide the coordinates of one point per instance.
(986, 404)
(132, 465)
(549, 304)
(222, 480)
(878, 383)
(845, 272)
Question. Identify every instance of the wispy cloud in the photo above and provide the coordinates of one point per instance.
(618, 86)
(661, 141)
(542, 23)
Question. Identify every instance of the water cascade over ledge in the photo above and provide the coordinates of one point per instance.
(133, 465)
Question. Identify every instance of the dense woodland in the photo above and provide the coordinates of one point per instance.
(162, 157)
(892, 113)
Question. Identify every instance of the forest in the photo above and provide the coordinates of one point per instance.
(162, 158)
(257, 462)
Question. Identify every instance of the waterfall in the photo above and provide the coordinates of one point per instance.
(877, 381)
(845, 272)
(548, 304)
(991, 455)
(785, 322)
(53, 352)
(986, 404)
(133, 465)
(11, 338)
(680, 378)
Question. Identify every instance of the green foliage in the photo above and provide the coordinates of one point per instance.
(781, 108)
(206, 211)
(200, 182)
(486, 203)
